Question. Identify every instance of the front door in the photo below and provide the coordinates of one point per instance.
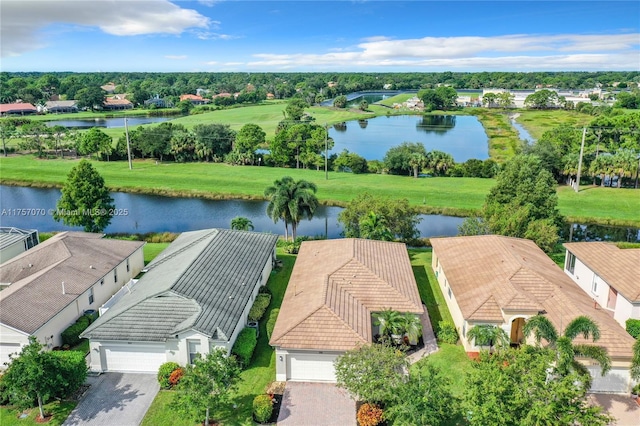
(613, 296)
(517, 335)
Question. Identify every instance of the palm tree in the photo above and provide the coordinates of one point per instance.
(412, 327)
(417, 162)
(390, 323)
(374, 227)
(291, 201)
(567, 351)
(603, 165)
(488, 335)
(240, 223)
(624, 161)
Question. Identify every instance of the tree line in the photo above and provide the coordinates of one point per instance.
(36, 87)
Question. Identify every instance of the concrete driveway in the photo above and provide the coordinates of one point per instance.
(625, 410)
(311, 404)
(115, 399)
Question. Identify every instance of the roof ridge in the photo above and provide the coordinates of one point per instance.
(483, 303)
(342, 320)
(181, 250)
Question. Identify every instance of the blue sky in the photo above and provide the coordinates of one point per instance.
(367, 36)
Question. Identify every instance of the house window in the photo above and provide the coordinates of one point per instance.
(194, 350)
(128, 268)
(91, 295)
(115, 275)
(571, 262)
(594, 285)
(464, 330)
(102, 281)
(449, 292)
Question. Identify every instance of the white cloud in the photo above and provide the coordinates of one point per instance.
(22, 20)
(206, 35)
(176, 57)
(507, 52)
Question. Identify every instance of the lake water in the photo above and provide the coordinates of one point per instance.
(82, 123)
(522, 132)
(461, 136)
(149, 213)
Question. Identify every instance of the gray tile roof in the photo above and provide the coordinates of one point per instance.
(215, 268)
(76, 258)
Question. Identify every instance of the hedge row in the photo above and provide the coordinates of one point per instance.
(633, 327)
(71, 336)
(245, 345)
(259, 306)
(73, 367)
(271, 322)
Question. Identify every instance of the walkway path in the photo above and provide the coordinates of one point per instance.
(429, 338)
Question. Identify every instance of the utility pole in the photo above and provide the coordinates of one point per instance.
(584, 134)
(326, 152)
(126, 131)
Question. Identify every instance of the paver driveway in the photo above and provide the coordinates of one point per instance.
(316, 404)
(625, 410)
(115, 399)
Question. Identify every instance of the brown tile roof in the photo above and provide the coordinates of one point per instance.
(17, 107)
(520, 277)
(334, 287)
(114, 101)
(78, 259)
(620, 268)
(191, 97)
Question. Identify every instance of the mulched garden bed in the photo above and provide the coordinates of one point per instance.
(276, 389)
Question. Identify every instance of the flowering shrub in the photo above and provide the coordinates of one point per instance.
(175, 376)
(369, 415)
(164, 373)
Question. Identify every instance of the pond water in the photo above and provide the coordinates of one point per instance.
(83, 123)
(461, 136)
(522, 132)
(149, 213)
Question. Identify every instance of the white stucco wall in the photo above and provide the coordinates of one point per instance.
(283, 360)
(12, 250)
(585, 278)
(452, 304)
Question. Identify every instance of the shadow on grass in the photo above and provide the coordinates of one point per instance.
(427, 296)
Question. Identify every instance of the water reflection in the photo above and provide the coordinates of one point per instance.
(436, 123)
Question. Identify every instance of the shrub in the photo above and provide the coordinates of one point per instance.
(259, 306)
(271, 322)
(175, 376)
(633, 327)
(164, 373)
(447, 332)
(264, 290)
(73, 368)
(369, 415)
(71, 336)
(262, 408)
(245, 345)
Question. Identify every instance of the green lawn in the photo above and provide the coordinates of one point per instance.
(254, 379)
(60, 411)
(151, 250)
(452, 360)
(456, 196)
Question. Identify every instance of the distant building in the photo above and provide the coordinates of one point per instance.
(14, 241)
(117, 102)
(109, 87)
(58, 107)
(18, 108)
(194, 99)
(158, 102)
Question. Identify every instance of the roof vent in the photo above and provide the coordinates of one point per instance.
(231, 297)
(91, 267)
(31, 265)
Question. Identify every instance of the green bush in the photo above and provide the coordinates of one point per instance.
(164, 372)
(71, 336)
(447, 332)
(73, 368)
(245, 345)
(262, 408)
(259, 306)
(633, 327)
(264, 290)
(271, 322)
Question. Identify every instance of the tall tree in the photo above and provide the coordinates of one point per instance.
(34, 134)
(397, 159)
(514, 388)
(542, 99)
(85, 200)
(524, 202)
(401, 218)
(240, 223)
(374, 227)
(207, 384)
(249, 138)
(417, 161)
(542, 328)
(371, 373)
(8, 131)
(291, 201)
(93, 141)
(32, 375)
(295, 109)
(90, 97)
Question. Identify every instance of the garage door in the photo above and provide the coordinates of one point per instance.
(312, 367)
(615, 381)
(134, 358)
(5, 350)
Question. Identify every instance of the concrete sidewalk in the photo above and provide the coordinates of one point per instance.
(429, 338)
